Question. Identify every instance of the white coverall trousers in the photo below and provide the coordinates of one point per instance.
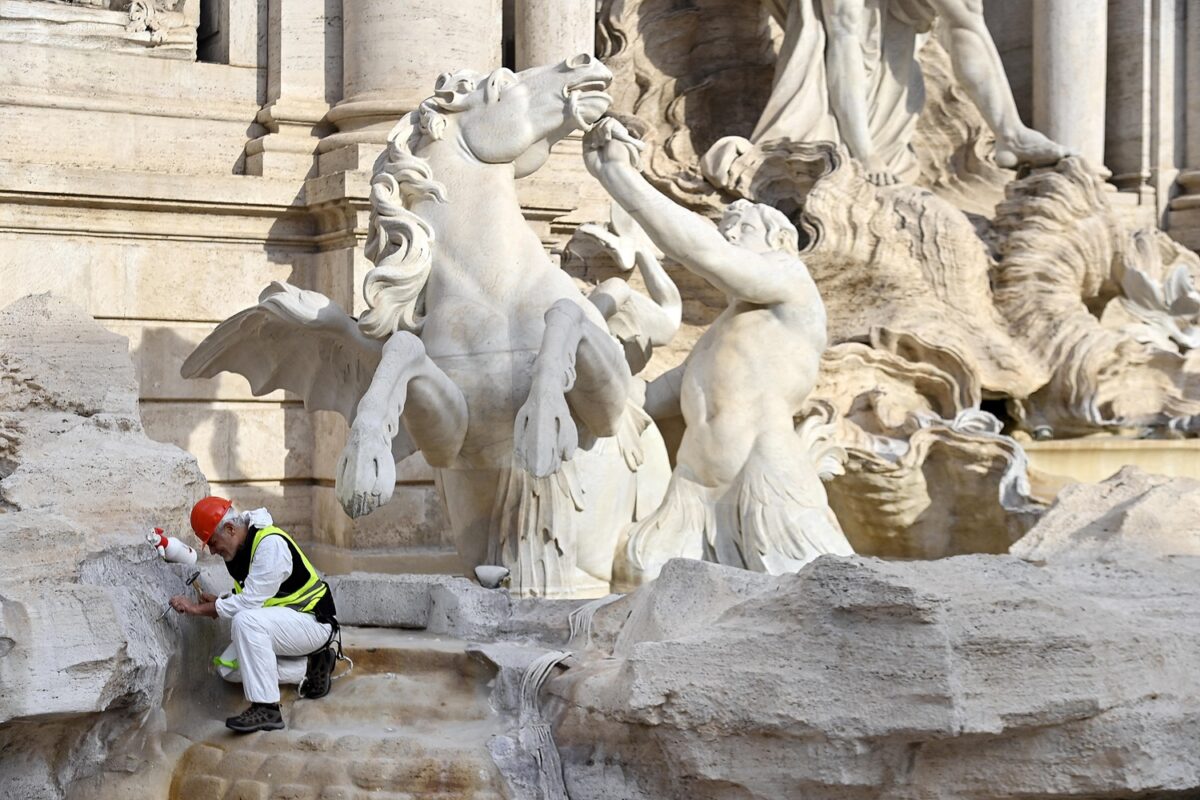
(269, 647)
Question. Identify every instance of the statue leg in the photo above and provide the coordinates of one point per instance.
(847, 78)
(579, 368)
(407, 387)
(978, 68)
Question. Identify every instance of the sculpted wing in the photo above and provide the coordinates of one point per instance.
(295, 340)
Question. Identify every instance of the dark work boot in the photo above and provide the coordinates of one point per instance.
(318, 675)
(258, 717)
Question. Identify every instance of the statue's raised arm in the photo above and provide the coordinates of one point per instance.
(612, 156)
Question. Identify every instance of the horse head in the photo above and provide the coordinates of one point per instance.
(504, 117)
(508, 117)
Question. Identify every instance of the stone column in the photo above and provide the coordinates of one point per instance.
(393, 52)
(1069, 73)
(1183, 218)
(1193, 95)
(1128, 101)
(303, 75)
(549, 31)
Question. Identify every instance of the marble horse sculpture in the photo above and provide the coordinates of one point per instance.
(476, 349)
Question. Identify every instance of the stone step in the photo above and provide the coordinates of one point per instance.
(299, 765)
(411, 720)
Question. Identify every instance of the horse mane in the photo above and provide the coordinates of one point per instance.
(399, 242)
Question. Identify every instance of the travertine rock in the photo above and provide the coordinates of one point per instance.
(969, 677)
(80, 595)
(1131, 516)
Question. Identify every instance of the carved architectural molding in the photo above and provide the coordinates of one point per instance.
(161, 28)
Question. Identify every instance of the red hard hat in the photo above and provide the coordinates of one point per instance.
(206, 516)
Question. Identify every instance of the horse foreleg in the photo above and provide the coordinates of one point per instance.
(409, 389)
(579, 368)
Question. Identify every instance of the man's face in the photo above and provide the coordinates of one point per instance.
(224, 541)
(746, 230)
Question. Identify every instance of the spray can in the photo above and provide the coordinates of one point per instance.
(170, 548)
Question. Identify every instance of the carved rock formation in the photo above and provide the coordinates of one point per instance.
(977, 676)
(84, 660)
(927, 474)
(1132, 516)
(1105, 312)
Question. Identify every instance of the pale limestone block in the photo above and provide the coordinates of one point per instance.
(296, 67)
(148, 114)
(121, 140)
(329, 437)
(144, 85)
(142, 28)
(237, 441)
(1094, 459)
(127, 279)
(66, 643)
(81, 647)
(198, 203)
(70, 414)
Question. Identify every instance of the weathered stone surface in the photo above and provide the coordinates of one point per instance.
(969, 677)
(439, 603)
(81, 641)
(73, 444)
(1129, 517)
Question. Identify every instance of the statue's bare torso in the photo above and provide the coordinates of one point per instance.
(723, 398)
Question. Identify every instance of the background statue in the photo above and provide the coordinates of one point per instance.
(847, 72)
(492, 362)
(746, 490)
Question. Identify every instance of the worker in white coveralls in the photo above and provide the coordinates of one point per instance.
(282, 611)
